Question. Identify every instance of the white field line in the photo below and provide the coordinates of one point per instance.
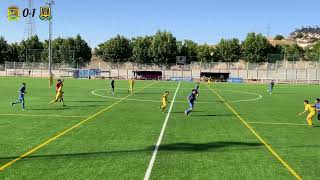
(94, 92)
(42, 115)
(272, 123)
(154, 154)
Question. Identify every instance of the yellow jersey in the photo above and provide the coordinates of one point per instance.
(164, 98)
(310, 108)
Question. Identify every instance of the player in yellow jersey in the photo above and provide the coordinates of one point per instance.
(209, 81)
(59, 93)
(51, 80)
(131, 85)
(164, 101)
(312, 111)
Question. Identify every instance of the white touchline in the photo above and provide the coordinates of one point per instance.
(154, 154)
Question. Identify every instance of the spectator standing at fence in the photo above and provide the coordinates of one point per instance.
(221, 78)
(22, 92)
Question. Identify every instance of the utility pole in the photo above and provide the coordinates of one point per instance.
(268, 31)
(50, 3)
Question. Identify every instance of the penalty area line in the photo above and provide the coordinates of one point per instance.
(2, 167)
(156, 148)
(273, 123)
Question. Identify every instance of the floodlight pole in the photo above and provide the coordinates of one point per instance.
(50, 3)
(50, 47)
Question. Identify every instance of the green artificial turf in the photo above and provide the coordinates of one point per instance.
(118, 142)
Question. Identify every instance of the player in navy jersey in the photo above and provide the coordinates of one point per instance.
(317, 106)
(270, 89)
(197, 89)
(112, 86)
(191, 99)
(22, 92)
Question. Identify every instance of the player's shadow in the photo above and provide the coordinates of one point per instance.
(182, 112)
(49, 109)
(86, 101)
(206, 146)
(144, 93)
(212, 115)
(284, 93)
(177, 147)
(85, 105)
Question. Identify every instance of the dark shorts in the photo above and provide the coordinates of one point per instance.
(21, 98)
(191, 104)
(318, 116)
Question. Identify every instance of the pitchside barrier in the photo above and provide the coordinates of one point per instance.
(181, 78)
(235, 80)
(87, 73)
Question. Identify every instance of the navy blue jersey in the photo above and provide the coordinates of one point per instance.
(317, 105)
(112, 83)
(271, 83)
(22, 91)
(192, 97)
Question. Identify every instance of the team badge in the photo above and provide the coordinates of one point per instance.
(13, 13)
(45, 13)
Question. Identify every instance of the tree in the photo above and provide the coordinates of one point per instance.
(291, 49)
(83, 52)
(255, 48)
(56, 45)
(299, 35)
(313, 52)
(141, 49)
(4, 50)
(292, 52)
(189, 49)
(70, 50)
(14, 51)
(116, 50)
(163, 48)
(31, 49)
(229, 50)
(206, 53)
(278, 37)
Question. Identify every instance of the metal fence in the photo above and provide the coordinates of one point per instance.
(282, 71)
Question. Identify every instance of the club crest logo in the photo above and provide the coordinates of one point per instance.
(45, 13)
(13, 13)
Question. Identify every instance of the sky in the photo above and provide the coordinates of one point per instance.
(203, 21)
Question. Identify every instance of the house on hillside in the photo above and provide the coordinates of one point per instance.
(305, 36)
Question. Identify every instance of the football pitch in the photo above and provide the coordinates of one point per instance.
(236, 131)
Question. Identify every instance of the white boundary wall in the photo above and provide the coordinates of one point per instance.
(285, 71)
